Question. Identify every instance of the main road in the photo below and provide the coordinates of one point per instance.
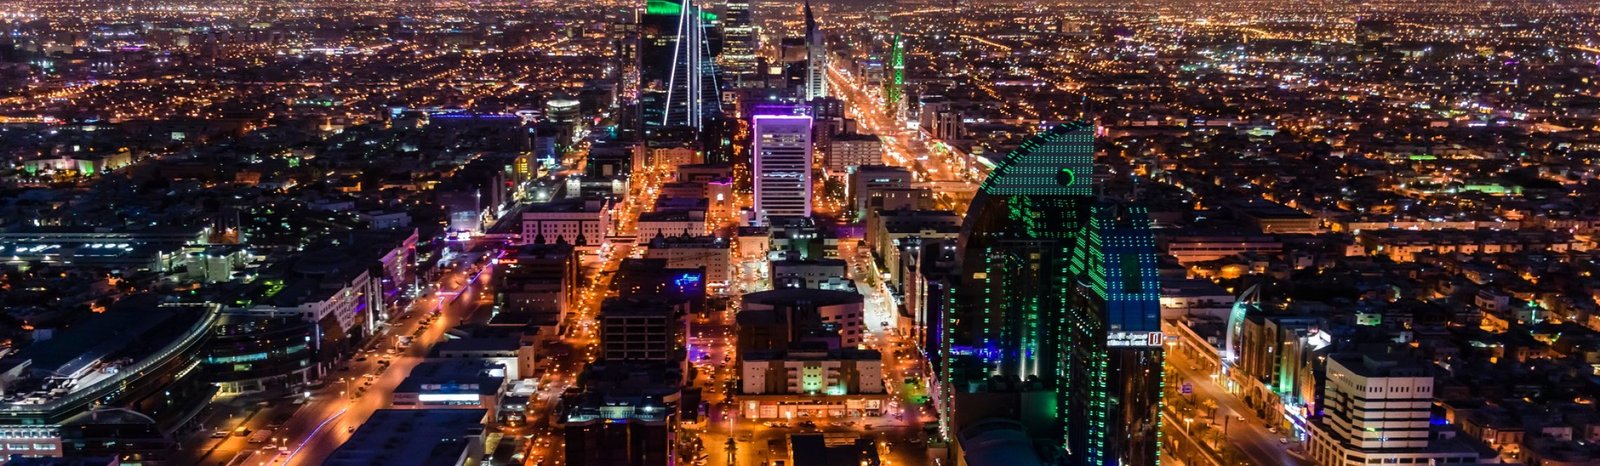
(935, 166)
(333, 415)
(1250, 435)
(313, 425)
(560, 372)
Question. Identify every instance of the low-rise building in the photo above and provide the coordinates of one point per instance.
(1201, 247)
(670, 223)
(892, 233)
(452, 384)
(866, 184)
(643, 330)
(820, 274)
(414, 437)
(773, 320)
(711, 253)
(539, 280)
(815, 371)
(627, 413)
(515, 355)
(583, 223)
(850, 150)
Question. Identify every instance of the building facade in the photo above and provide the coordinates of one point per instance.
(1377, 409)
(782, 151)
(584, 223)
(709, 252)
(1059, 289)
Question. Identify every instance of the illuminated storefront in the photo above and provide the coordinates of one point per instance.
(796, 408)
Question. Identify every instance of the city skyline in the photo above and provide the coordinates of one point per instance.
(809, 233)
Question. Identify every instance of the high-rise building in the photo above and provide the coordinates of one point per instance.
(895, 86)
(676, 68)
(782, 151)
(1058, 291)
(816, 58)
(738, 58)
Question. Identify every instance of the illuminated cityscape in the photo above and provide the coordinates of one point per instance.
(799, 233)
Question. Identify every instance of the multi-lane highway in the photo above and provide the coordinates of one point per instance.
(307, 430)
(933, 164)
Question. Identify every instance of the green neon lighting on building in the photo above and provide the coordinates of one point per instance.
(897, 82)
(1036, 167)
(1049, 273)
(671, 8)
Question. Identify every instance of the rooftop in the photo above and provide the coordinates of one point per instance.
(412, 437)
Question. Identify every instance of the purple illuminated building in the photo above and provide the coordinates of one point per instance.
(782, 151)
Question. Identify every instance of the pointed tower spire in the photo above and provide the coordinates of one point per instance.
(816, 58)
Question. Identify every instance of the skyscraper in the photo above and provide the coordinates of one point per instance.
(894, 92)
(1058, 289)
(676, 64)
(738, 58)
(816, 58)
(782, 153)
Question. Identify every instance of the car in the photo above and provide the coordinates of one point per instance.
(1283, 440)
(350, 430)
(219, 433)
(1238, 417)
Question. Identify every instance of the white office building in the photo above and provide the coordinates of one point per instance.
(782, 166)
(1376, 410)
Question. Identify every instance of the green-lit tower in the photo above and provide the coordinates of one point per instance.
(1057, 292)
(894, 91)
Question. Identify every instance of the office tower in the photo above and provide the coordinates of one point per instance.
(782, 150)
(1376, 408)
(738, 58)
(816, 58)
(894, 95)
(1057, 292)
(625, 42)
(676, 68)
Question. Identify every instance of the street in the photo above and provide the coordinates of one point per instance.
(311, 428)
(1250, 435)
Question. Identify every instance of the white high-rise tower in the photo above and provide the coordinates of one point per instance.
(816, 58)
(782, 152)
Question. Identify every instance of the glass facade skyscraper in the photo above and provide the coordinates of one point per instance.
(1058, 289)
(676, 63)
(738, 58)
